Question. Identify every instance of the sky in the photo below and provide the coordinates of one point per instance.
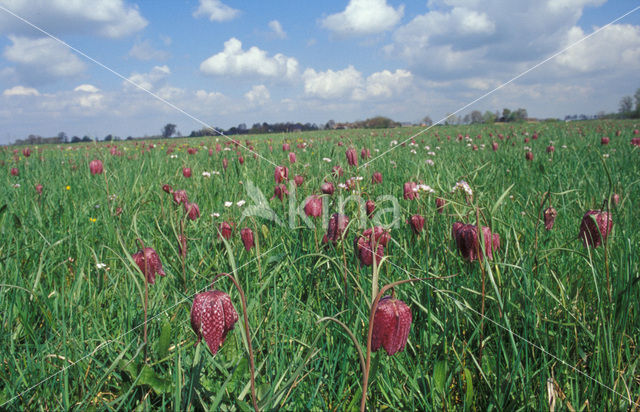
(222, 63)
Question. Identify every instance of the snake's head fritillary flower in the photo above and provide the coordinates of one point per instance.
(212, 317)
(298, 179)
(292, 157)
(241, 159)
(616, 199)
(149, 264)
(281, 174)
(528, 155)
(327, 188)
(192, 210)
(440, 204)
(352, 157)
(410, 190)
(14, 171)
(280, 191)
(95, 167)
(337, 227)
(468, 242)
(167, 188)
(595, 227)
(313, 207)
(225, 230)
(180, 196)
(551, 148)
(39, 188)
(186, 171)
(604, 141)
(365, 153)
(246, 235)
(391, 325)
(376, 178)
(371, 240)
(225, 163)
(370, 206)
(286, 147)
(494, 146)
(550, 215)
(417, 223)
(26, 152)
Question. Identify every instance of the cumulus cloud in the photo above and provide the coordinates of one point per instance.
(350, 83)
(149, 80)
(276, 28)
(235, 61)
(41, 60)
(363, 17)
(86, 88)
(108, 18)
(616, 47)
(384, 85)
(21, 91)
(215, 10)
(258, 95)
(143, 50)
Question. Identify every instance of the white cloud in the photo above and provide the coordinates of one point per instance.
(332, 84)
(362, 17)
(235, 61)
(108, 18)
(43, 59)
(86, 88)
(143, 50)
(276, 27)
(616, 47)
(258, 94)
(21, 91)
(215, 10)
(384, 85)
(148, 80)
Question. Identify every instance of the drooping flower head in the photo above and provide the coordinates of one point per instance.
(352, 157)
(371, 241)
(440, 204)
(14, 171)
(410, 190)
(298, 179)
(246, 235)
(468, 242)
(281, 174)
(225, 230)
(370, 206)
(327, 188)
(95, 167)
(292, 157)
(376, 178)
(167, 188)
(417, 223)
(280, 191)
(192, 210)
(149, 264)
(313, 207)
(186, 171)
(337, 227)
(180, 196)
(212, 317)
(595, 227)
(391, 325)
(550, 215)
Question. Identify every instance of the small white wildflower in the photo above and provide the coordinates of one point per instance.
(437, 147)
(431, 153)
(358, 178)
(606, 155)
(393, 143)
(206, 174)
(215, 172)
(464, 186)
(413, 151)
(241, 203)
(326, 159)
(430, 162)
(215, 214)
(564, 146)
(425, 188)
(173, 156)
(376, 150)
(227, 149)
(342, 186)
(228, 204)
(101, 265)
(17, 185)
(468, 144)
(427, 148)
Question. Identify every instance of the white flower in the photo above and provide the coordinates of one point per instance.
(215, 172)
(606, 155)
(393, 143)
(227, 149)
(427, 148)
(241, 203)
(112, 197)
(437, 147)
(215, 214)
(228, 204)
(173, 156)
(413, 151)
(16, 185)
(425, 188)
(206, 174)
(342, 186)
(430, 162)
(376, 150)
(101, 265)
(564, 146)
(464, 186)
(431, 153)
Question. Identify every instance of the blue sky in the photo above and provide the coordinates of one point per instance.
(230, 62)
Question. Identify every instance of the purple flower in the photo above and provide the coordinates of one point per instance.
(337, 226)
(352, 157)
(550, 214)
(417, 223)
(95, 167)
(595, 227)
(246, 235)
(313, 207)
(149, 263)
(391, 325)
(467, 241)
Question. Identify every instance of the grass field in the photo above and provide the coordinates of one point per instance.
(557, 322)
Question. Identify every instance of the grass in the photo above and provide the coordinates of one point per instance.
(551, 328)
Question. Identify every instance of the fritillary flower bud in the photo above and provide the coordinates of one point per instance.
(595, 227)
(616, 199)
(365, 153)
(410, 190)
(371, 207)
(604, 141)
(95, 167)
(225, 230)
(14, 171)
(225, 163)
(376, 178)
(186, 171)
(391, 325)
(149, 264)
(286, 147)
(180, 196)
(292, 157)
(246, 235)
(298, 179)
(551, 149)
(440, 204)
(39, 188)
(529, 156)
(241, 160)
(494, 146)
(26, 152)
(182, 245)
(212, 317)
(167, 188)
(550, 215)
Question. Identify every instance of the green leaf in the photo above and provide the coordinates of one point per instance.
(501, 199)
(165, 339)
(159, 384)
(468, 398)
(440, 376)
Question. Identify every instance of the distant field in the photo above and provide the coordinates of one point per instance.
(560, 321)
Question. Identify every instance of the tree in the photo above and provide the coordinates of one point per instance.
(636, 96)
(87, 139)
(63, 137)
(331, 124)
(506, 114)
(168, 130)
(108, 138)
(489, 117)
(476, 116)
(75, 139)
(626, 104)
(427, 120)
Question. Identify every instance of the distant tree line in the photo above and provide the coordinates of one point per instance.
(627, 109)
